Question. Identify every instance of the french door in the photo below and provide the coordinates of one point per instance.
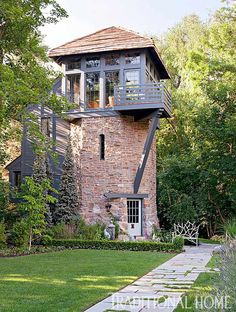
(134, 213)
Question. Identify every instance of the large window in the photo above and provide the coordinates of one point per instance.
(92, 62)
(92, 90)
(111, 79)
(113, 59)
(132, 58)
(73, 88)
(73, 65)
(132, 77)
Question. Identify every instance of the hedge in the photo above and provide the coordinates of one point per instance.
(177, 245)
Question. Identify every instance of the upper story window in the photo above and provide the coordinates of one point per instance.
(132, 58)
(45, 126)
(111, 79)
(17, 179)
(73, 88)
(113, 59)
(73, 65)
(92, 90)
(92, 62)
(132, 77)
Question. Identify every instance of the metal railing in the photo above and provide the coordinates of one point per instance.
(152, 93)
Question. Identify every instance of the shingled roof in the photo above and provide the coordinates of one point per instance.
(108, 39)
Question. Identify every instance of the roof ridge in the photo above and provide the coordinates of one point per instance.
(101, 30)
(88, 35)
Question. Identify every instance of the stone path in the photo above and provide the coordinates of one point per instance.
(162, 288)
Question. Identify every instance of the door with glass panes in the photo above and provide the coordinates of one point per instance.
(134, 217)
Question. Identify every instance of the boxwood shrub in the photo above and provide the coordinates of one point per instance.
(117, 245)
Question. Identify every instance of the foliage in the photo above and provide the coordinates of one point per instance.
(90, 231)
(178, 243)
(118, 245)
(41, 173)
(34, 198)
(64, 230)
(196, 148)
(26, 76)
(23, 251)
(3, 237)
(68, 200)
(4, 199)
(230, 228)
(226, 285)
(20, 234)
(78, 229)
(161, 235)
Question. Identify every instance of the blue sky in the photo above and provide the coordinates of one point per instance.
(143, 16)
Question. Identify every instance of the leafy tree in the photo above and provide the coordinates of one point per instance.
(68, 201)
(34, 198)
(25, 76)
(196, 148)
(40, 174)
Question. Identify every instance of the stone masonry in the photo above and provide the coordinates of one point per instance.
(124, 142)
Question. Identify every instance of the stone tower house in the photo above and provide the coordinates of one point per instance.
(116, 78)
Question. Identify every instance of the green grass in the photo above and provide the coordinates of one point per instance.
(209, 241)
(69, 280)
(203, 286)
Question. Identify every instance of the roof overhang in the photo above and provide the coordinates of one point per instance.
(125, 195)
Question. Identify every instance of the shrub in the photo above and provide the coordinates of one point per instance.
(20, 234)
(46, 240)
(3, 237)
(117, 245)
(162, 235)
(90, 231)
(63, 230)
(226, 283)
(178, 243)
(230, 228)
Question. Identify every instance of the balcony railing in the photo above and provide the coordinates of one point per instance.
(151, 95)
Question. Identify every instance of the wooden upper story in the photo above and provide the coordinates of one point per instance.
(114, 70)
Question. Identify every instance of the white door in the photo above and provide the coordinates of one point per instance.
(134, 217)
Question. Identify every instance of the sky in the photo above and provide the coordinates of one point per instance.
(143, 16)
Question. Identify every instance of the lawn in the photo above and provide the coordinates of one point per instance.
(69, 280)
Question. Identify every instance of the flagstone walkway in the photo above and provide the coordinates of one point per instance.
(162, 288)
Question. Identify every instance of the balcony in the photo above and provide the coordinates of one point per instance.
(134, 99)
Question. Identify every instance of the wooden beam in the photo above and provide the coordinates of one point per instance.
(147, 146)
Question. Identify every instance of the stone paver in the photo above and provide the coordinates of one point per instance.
(162, 288)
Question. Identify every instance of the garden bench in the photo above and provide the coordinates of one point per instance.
(188, 231)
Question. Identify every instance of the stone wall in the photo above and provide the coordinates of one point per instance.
(124, 141)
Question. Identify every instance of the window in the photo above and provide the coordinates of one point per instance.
(132, 77)
(73, 88)
(74, 65)
(92, 62)
(113, 59)
(133, 207)
(102, 146)
(45, 126)
(111, 79)
(133, 58)
(92, 90)
(17, 178)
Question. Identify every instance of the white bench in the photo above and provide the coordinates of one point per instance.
(188, 231)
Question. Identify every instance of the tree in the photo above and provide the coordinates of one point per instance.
(25, 76)
(34, 198)
(40, 174)
(68, 201)
(196, 148)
